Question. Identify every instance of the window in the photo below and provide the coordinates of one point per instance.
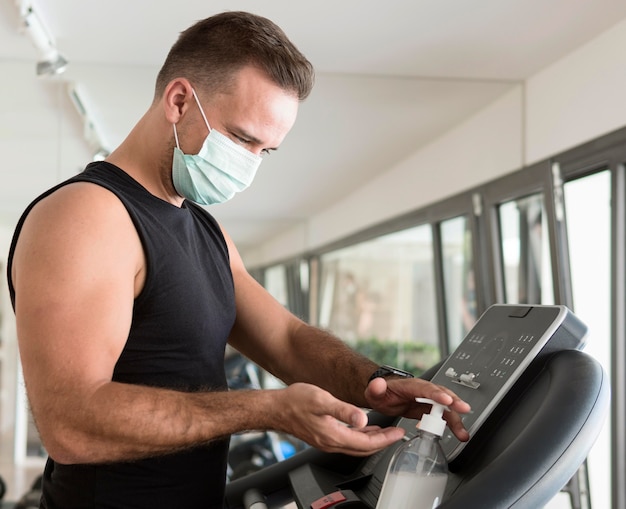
(525, 251)
(275, 280)
(379, 296)
(458, 275)
(588, 212)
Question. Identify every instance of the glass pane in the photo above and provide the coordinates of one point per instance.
(526, 251)
(303, 267)
(458, 276)
(298, 288)
(588, 212)
(379, 296)
(276, 283)
(289, 285)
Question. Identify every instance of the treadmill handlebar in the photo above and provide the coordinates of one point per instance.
(254, 499)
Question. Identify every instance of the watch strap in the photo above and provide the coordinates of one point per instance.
(385, 371)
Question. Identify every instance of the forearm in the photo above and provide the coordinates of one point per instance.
(291, 349)
(319, 358)
(119, 422)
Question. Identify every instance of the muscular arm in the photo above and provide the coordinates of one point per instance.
(77, 268)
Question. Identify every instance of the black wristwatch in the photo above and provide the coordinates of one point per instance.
(384, 371)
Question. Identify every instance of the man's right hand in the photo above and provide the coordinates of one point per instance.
(329, 424)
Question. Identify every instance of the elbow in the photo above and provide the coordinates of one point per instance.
(64, 456)
(65, 446)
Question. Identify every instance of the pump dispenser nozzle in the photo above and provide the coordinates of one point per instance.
(433, 422)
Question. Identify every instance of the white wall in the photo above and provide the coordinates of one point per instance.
(8, 357)
(578, 98)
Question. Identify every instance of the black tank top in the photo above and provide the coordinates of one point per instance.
(180, 325)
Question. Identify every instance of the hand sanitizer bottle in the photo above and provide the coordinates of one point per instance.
(418, 471)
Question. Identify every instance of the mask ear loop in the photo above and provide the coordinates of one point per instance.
(201, 110)
(176, 136)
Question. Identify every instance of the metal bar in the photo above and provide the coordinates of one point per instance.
(618, 333)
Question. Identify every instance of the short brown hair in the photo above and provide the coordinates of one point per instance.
(211, 51)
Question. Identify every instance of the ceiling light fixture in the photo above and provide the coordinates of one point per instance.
(52, 62)
(91, 130)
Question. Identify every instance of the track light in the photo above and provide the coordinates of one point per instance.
(52, 62)
(91, 130)
(52, 66)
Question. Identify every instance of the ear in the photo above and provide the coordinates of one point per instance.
(176, 99)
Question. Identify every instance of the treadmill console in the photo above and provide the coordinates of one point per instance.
(497, 352)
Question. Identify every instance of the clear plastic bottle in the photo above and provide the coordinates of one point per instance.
(418, 471)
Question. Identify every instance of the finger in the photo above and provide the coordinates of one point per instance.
(376, 393)
(454, 402)
(445, 396)
(349, 414)
(456, 426)
(377, 388)
(405, 391)
(370, 428)
(362, 443)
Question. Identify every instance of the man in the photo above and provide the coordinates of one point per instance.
(126, 294)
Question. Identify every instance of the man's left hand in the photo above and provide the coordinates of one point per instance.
(396, 396)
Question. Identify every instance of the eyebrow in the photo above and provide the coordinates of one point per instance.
(252, 139)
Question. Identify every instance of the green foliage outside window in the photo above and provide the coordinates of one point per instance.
(409, 356)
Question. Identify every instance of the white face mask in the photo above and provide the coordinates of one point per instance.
(219, 170)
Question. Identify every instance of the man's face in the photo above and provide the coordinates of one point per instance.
(255, 112)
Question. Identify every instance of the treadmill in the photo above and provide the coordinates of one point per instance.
(505, 368)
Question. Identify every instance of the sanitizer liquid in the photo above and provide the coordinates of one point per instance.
(405, 490)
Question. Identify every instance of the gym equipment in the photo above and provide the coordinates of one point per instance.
(538, 404)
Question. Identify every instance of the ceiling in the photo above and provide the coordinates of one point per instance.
(391, 77)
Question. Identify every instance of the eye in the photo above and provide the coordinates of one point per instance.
(242, 141)
(250, 144)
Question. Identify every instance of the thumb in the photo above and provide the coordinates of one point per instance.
(376, 390)
(351, 415)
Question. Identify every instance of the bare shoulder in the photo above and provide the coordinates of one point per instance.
(78, 227)
(75, 205)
